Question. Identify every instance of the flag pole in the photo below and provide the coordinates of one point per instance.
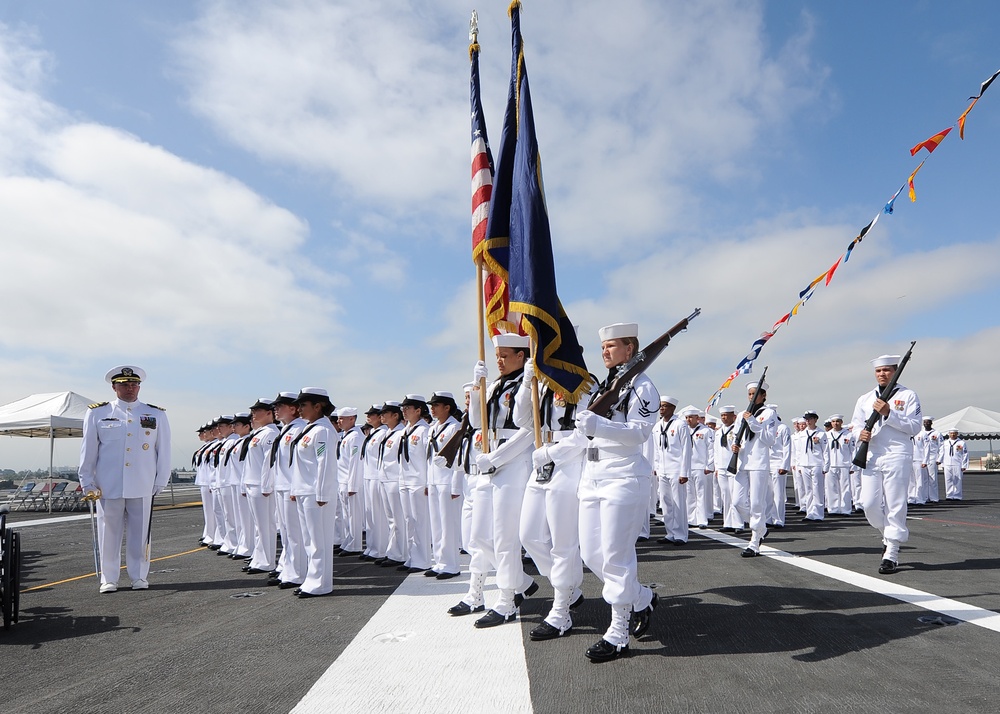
(536, 416)
(480, 297)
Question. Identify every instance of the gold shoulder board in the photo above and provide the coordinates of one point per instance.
(95, 405)
(155, 407)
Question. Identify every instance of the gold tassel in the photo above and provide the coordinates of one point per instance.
(515, 4)
(473, 48)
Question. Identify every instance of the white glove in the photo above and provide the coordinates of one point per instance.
(483, 463)
(479, 372)
(440, 461)
(540, 457)
(586, 422)
(529, 369)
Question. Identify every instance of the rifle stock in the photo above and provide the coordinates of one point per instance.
(603, 403)
(861, 455)
(744, 427)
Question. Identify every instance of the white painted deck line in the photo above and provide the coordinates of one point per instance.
(883, 586)
(47, 521)
(425, 660)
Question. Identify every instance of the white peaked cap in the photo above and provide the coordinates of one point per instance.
(668, 400)
(125, 373)
(510, 339)
(347, 412)
(753, 385)
(885, 360)
(618, 331)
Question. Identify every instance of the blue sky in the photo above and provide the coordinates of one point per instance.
(247, 197)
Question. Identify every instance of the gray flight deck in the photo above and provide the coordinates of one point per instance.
(730, 634)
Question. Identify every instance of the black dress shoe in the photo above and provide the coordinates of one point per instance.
(887, 567)
(214, 546)
(348, 553)
(749, 553)
(402, 568)
(219, 551)
(445, 576)
(545, 631)
(576, 603)
(274, 574)
(641, 619)
(779, 526)
(303, 595)
(604, 651)
(493, 618)
(297, 591)
(245, 568)
(365, 556)
(528, 592)
(464, 609)
(271, 582)
(337, 549)
(414, 569)
(727, 529)
(430, 573)
(665, 540)
(285, 585)
(387, 563)
(255, 571)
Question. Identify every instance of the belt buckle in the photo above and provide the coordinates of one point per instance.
(593, 453)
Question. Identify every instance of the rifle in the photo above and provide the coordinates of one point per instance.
(602, 404)
(861, 457)
(744, 427)
(450, 450)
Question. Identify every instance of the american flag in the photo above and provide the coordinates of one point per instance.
(492, 253)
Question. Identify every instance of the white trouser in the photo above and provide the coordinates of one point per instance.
(377, 532)
(609, 517)
(883, 495)
(758, 483)
(208, 509)
(779, 489)
(416, 514)
(931, 474)
(244, 521)
(816, 487)
(230, 527)
(952, 481)
(729, 518)
(739, 497)
(318, 523)
(496, 518)
(446, 528)
(218, 505)
(917, 491)
(392, 506)
(265, 537)
(353, 508)
(838, 490)
(468, 489)
(129, 517)
(717, 506)
(855, 477)
(699, 503)
(673, 500)
(550, 526)
(801, 489)
(293, 553)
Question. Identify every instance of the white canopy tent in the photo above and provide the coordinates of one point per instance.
(52, 416)
(972, 423)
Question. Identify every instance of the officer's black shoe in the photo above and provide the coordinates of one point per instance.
(245, 568)
(493, 618)
(215, 546)
(445, 576)
(641, 619)
(727, 529)
(387, 563)
(430, 573)
(604, 651)
(303, 595)
(464, 609)
(285, 586)
(528, 592)
(749, 553)
(545, 631)
(887, 567)
(274, 574)
(272, 582)
(255, 571)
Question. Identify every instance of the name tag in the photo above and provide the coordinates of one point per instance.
(593, 453)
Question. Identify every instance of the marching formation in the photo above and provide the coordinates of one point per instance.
(422, 480)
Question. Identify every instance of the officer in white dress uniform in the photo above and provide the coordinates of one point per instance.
(815, 462)
(954, 455)
(350, 480)
(445, 485)
(376, 520)
(754, 458)
(124, 463)
(255, 455)
(890, 457)
(932, 448)
(550, 514)
(781, 463)
(839, 479)
(314, 488)
(614, 495)
(292, 563)
(672, 466)
(724, 436)
(702, 468)
(504, 468)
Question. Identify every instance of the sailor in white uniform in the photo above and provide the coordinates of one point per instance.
(614, 495)
(932, 449)
(885, 480)
(291, 570)
(815, 462)
(672, 467)
(124, 463)
(376, 520)
(724, 437)
(842, 447)
(702, 468)
(255, 455)
(754, 458)
(445, 486)
(350, 481)
(781, 463)
(413, 484)
(954, 455)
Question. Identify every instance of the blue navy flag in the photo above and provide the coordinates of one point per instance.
(559, 361)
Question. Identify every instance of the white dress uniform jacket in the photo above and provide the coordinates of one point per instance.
(126, 449)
